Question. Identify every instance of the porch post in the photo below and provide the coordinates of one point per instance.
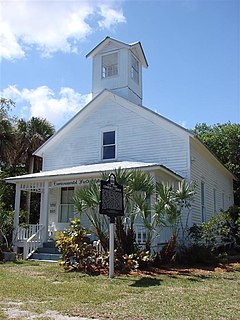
(16, 215)
(44, 209)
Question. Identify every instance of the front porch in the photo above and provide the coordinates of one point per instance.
(55, 188)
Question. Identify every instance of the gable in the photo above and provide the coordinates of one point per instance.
(110, 44)
(141, 134)
(95, 104)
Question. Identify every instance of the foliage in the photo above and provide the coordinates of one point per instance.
(212, 240)
(77, 253)
(140, 260)
(86, 201)
(6, 226)
(139, 193)
(224, 141)
(196, 254)
(234, 214)
(215, 232)
(18, 140)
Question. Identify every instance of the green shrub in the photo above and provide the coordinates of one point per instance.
(196, 255)
(77, 253)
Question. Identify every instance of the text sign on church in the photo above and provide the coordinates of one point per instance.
(111, 197)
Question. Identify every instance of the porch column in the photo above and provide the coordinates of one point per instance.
(16, 215)
(44, 209)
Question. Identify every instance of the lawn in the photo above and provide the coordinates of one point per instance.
(44, 289)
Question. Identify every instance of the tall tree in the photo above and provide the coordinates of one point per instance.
(224, 141)
(18, 140)
(31, 135)
(7, 133)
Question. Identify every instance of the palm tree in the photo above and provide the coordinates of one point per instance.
(138, 188)
(31, 135)
(86, 201)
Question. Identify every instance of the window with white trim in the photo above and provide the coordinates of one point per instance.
(66, 212)
(203, 201)
(134, 69)
(109, 65)
(109, 145)
(223, 200)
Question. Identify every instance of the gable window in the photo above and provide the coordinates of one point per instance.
(108, 145)
(109, 65)
(134, 69)
(66, 205)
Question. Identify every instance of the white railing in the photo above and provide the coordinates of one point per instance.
(23, 234)
(33, 242)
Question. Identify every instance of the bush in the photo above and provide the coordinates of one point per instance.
(77, 253)
(216, 232)
(196, 255)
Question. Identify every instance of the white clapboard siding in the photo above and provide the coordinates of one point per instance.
(205, 168)
(122, 84)
(138, 139)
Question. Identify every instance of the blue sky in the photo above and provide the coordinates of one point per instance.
(192, 47)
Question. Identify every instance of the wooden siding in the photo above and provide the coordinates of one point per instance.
(205, 168)
(138, 139)
(122, 83)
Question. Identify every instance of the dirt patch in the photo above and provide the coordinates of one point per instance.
(12, 312)
(194, 271)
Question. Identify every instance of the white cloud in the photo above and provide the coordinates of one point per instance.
(9, 47)
(52, 25)
(43, 102)
(110, 16)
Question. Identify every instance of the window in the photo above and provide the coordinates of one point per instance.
(203, 201)
(66, 206)
(109, 65)
(108, 145)
(140, 232)
(135, 69)
(214, 201)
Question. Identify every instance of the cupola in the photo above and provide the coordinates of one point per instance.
(117, 66)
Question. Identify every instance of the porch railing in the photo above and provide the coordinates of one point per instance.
(31, 238)
(33, 242)
(23, 234)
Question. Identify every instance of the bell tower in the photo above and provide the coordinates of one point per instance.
(117, 66)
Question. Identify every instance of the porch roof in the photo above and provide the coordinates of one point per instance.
(92, 170)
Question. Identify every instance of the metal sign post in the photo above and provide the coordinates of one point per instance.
(111, 247)
(111, 203)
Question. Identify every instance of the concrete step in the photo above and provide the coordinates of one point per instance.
(49, 244)
(46, 256)
(48, 250)
(47, 253)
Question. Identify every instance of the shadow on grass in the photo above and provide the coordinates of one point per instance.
(190, 277)
(146, 282)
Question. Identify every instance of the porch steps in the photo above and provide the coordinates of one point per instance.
(48, 252)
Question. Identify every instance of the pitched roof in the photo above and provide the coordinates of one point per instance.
(105, 94)
(143, 111)
(136, 45)
(90, 169)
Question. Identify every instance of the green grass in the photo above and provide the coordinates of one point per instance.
(38, 287)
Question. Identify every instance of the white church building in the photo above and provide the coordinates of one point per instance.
(115, 130)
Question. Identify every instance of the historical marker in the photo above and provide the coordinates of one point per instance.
(111, 204)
